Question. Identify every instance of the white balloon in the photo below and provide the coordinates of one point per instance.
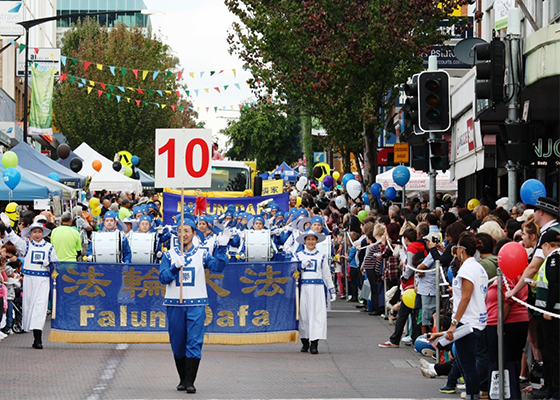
(354, 188)
(300, 185)
(340, 202)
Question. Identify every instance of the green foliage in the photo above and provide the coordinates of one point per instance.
(336, 59)
(265, 135)
(102, 122)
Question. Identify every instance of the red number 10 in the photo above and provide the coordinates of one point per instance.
(170, 147)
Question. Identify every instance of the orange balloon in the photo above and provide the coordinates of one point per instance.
(96, 164)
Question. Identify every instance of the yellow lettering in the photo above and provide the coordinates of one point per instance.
(209, 316)
(106, 318)
(157, 316)
(242, 314)
(226, 320)
(250, 209)
(262, 317)
(134, 319)
(123, 315)
(85, 315)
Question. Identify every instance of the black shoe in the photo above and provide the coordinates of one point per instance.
(375, 313)
(191, 389)
(366, 310)
(313, 347)
(360, 306)
(37, 346)
(305, 347)
(541, 393)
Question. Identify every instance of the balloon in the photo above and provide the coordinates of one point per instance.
(96, 212)
(340, 202)
(96, 164)
(135, 160)
(401, 175)
(282, 175)
(63, 151)
(317, 172)
(362, 215)
(354, 188)
(365, 198)
(390, 193)
(376, 190)
(322, 202)
(300, 185)
(298, 201)
(93, 203)
(336, 175)
(472, 204)
(328, 181)
(530, 191)
(327, 188)
(409, 298)
(512, 259)
(76, 164)
(11, 177)
(117, 166)
(54, 176)
(450, 275)
(9, 159)
(324, 168)
(125, 158)
(347, 177)
(127, 171)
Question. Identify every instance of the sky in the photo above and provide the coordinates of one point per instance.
(197, 32)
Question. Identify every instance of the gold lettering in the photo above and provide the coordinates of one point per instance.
(250, 209)
(134, 319)
(242, 314)
(157, 316)
(123, 315)
(226, 320)
(107, 318)
(209, 316)
(84, 314)
(262, 317)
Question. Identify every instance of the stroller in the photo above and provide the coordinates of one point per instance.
(17, 306)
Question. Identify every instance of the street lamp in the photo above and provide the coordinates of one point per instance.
(31, 23)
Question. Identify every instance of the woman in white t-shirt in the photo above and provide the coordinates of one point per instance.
(469, 307)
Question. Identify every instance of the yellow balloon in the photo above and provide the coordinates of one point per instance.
(336, 175)
(125, 158)
(298, 201)
(472, 204)
(325, 168)
(93, 202)
(96, 212)
(409, 298)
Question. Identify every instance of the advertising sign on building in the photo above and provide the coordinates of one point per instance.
(11, 12)
(44, 58)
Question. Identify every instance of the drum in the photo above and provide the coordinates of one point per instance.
(325, 247)
(257, 245)
(143, 247)
(106, 246)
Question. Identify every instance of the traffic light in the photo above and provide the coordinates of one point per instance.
(519, 142)
(490, 67)
(421, 157)
(434, 101)
(439, 154)
(410, 107)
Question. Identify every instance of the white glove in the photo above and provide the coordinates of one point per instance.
(160, 229)
(5, 219)
(90, 258)
(159, 254)
(180, 262)
(305, 264)
(224, 237)
(276, 232)
(333, 294)
(46, 263)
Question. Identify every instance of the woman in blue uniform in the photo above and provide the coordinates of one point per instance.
(186, 312)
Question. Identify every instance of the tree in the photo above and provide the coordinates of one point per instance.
(266, 135)
(337, 59)
(97, 117)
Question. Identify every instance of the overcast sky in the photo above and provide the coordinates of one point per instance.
(197, 32)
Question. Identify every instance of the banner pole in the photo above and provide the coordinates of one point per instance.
(501, 335)
(182, 244)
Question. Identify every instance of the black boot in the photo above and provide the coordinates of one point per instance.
(305, 346)
(314, 344)
(38, 339)
(181, 364)
(190, 376)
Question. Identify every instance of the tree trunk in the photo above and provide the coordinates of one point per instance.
(370, 160)
(307, 144)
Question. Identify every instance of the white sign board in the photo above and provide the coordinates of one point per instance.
(183, 158)
(44, 57)
(41, 204)
(11, 12)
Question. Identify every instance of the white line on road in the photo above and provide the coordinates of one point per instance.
(109, 372)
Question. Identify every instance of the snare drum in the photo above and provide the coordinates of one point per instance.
(257, 245)
(143, 247)
(106, 246)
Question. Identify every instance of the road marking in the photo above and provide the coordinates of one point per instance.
(108, 372)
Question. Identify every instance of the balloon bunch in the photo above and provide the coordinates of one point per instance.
(126, 162)
(12, 176)
(63, 152)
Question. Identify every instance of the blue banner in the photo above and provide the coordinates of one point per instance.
(249, 303)
(217, 206)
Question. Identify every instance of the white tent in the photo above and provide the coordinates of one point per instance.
(419, 182)
(107, 178)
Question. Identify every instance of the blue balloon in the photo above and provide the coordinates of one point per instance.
(401, 175)
(376, 190)
(134, 160)
(531, 190)
(282, 175)
(326, 188)
(365, 198)
(450, 275)
(390, 193)
(54, 176)
(11, 177)
(347, 177)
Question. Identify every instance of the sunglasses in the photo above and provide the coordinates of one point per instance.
(455, 248)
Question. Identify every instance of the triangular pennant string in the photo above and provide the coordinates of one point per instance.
(89, 89)
(145, 74)
(234, 73)
(112, 69)
(99, 93)
(159, 92)
(123, 72)
(179, 76)
(99, 67)
(63, 60)
(237, 86)
(155, 75)
(135, 72)
(137, 102)
(217, 89)
(86, 65)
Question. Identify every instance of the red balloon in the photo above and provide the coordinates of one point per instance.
(512, 259)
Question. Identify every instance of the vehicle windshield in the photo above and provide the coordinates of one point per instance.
(229, 179)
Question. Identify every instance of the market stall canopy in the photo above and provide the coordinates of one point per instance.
(146, 180)
(33, 160)
(68, 193)
(419, 182)
(289, 173)
(31, 187)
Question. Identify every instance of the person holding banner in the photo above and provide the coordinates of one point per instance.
(315, 274)
(182, 271)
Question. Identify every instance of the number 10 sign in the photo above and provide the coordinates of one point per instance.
(183, 158)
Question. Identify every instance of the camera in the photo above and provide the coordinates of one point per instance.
(435, 240)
